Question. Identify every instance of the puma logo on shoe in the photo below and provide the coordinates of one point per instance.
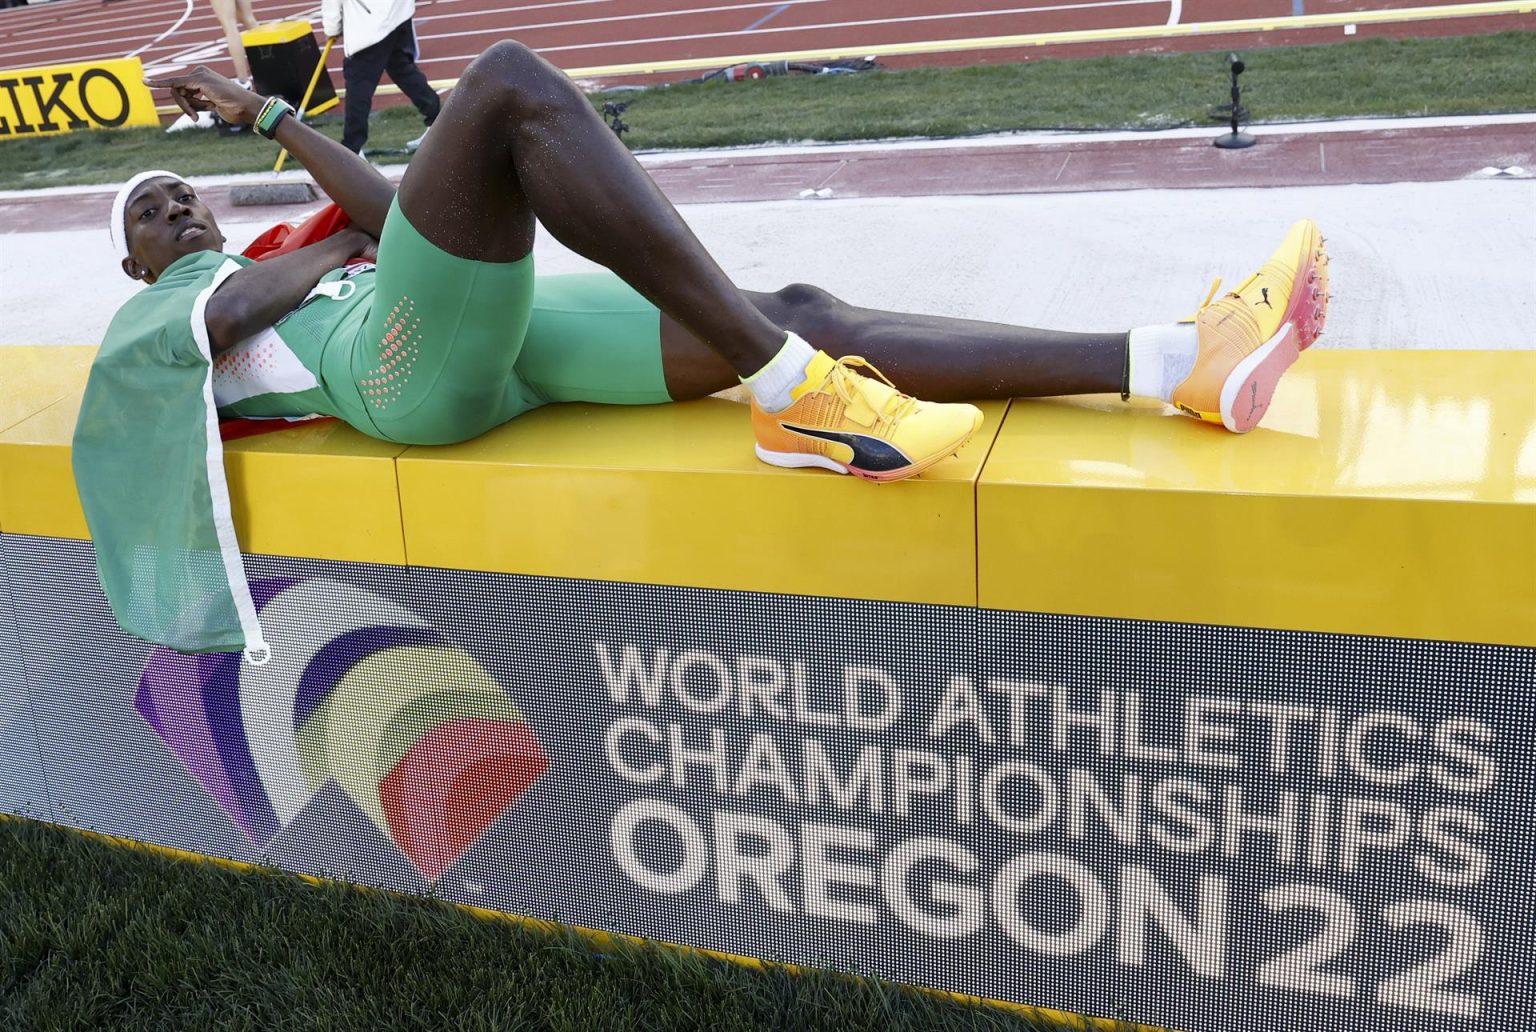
(1265, 292)
(1253, 399)
(869, 453)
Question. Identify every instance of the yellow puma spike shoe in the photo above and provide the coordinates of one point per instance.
(851, 423)
(1251, 335)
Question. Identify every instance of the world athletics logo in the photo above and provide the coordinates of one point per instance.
(362, 692)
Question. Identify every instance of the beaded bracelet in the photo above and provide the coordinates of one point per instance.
(272, 112)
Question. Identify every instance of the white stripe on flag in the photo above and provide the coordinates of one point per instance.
(257, 651)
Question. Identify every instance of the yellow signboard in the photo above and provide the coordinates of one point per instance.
(63, 98)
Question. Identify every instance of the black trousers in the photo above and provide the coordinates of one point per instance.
(395, 54)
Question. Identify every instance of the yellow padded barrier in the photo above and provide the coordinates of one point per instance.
(1389, 493)
(34, 376)
(37, 486)
(324, 491)
(672, 494)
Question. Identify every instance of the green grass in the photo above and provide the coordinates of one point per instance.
(1476, 74)
(94, 935)
(1385, 77)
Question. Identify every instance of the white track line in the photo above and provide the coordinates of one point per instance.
(760, 33)
(720, 8)
(425, 59)
(680, 13)
(114, 23)
(205, 21)
(1176, 9)
(185, 14)
(200, 23)
(118, 28)
(520, 8)
(865, 46)
(285, 11)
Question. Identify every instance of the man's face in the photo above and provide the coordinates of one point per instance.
(164, 220)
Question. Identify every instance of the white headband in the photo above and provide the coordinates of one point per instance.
(120, 202)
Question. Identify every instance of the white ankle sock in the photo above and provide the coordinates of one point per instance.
(1161, 358)
(771, 385)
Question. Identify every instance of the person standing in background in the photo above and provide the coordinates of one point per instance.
(377, 36)
(233, 16)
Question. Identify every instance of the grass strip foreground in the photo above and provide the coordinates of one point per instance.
(100, 936)
(1364, 77)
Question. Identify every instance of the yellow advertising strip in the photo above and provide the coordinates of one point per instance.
(65, 98)
(1033, 39)
(598, 939)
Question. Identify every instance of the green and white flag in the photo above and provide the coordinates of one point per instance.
(149, 465)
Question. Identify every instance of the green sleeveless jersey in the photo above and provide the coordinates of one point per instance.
(302, 365)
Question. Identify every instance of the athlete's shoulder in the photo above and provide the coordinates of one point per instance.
(162, 311)
(187, 275)
(197, 269)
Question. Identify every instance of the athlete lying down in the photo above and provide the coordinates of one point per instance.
(452, 335)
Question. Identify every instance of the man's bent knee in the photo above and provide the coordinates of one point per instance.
(804, 308)
(506, 68)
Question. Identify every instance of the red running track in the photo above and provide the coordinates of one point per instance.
(169, 35)
(1287, 158)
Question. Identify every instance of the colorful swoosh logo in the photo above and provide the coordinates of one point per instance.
(363, 693)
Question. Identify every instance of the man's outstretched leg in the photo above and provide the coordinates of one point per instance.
(518, 142)
(945, 359)
(1220, 366)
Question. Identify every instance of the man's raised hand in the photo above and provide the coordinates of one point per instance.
(203, 89)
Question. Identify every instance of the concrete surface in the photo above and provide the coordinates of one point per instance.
(1415, 265)
(1445, 258)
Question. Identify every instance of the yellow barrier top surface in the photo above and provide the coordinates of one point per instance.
(672, 494)
(32, 377)
(1386, 493)
(321, 490)
(1453, 425)
(1389, 493)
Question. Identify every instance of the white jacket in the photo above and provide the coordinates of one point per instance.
(362, 23)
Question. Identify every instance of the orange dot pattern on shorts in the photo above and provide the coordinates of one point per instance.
(245, 364)
(397, 353)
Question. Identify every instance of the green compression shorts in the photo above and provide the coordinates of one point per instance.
(454, 347)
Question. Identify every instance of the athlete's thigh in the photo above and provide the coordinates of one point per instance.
(592, 337)
(434, 363)
(460, 191)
